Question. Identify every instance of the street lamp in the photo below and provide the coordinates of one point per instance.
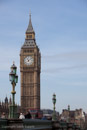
(13, 77)
(54, 112)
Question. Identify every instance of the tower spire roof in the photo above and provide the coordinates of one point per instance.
(30, 36)
(30, 27)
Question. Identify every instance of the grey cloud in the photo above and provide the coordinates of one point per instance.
(60, 69)
(80, 56)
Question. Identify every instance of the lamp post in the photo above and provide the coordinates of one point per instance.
(54, 112)
(13, 77)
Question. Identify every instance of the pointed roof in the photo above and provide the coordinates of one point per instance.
(30, 27)
(6, 99)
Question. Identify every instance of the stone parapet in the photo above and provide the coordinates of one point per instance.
(25, 124)
(35, 124)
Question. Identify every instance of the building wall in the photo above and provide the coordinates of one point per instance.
(76, 116)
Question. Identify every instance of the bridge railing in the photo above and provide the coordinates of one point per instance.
(35, 124)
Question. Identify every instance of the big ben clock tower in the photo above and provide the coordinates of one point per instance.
(30, 66)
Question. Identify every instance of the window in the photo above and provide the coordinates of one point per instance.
(28, 51)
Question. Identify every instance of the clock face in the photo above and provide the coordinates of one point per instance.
(28, 60)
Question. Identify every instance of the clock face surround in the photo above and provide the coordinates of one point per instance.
(28, 60)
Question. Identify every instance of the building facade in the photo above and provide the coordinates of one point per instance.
(4, 107)
(30, 67)
(74, 116)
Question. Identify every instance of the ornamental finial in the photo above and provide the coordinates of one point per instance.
(30, 27)
(13, 62)
(30, 13)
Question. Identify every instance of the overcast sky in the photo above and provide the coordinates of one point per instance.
(61, 34)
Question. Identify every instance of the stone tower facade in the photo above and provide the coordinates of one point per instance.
(30, 66)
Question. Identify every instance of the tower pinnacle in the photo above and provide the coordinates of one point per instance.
(30, 14)
(30, 35)
(30, 27)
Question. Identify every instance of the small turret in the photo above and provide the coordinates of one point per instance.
(68, 107)
(6, 100)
